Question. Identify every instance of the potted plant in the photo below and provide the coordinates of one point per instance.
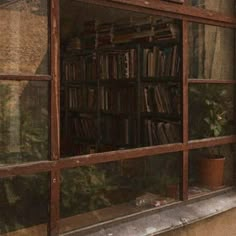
(213, 115)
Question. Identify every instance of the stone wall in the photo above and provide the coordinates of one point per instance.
(24, 38)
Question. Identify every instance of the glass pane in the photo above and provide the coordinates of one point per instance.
(211, 52)
(211, 169)
(211, 110)
(121, 80)
(23, 205)
(24, 37)
(225, 7)
(23, 121)
(94, 194)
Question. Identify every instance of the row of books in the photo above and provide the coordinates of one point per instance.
(85, 128)
(122, 64)
(83, 98)
(118, 64)
(118, 99)
(161, 62)
(82, 67)
(158, 132)
(115, 130)
(118, 131)
(162, 98)
(111, 99)
(145, 29)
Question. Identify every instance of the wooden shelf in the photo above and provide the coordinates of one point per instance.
(160, 115)
(164, 79)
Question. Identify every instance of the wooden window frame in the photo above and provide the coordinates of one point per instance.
(55, 164)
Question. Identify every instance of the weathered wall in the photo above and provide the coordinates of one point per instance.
(222, 224)
(24, 37)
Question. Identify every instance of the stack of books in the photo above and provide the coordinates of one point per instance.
(144, 29)
(89, 34)
(104, 35)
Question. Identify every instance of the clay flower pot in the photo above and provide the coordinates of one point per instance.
(211, 172)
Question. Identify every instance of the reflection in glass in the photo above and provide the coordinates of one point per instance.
(211, 52)
(106, 191)
(211, 169)
(23, 121)
(226, 7)
(23, 205)
(24, 37)
(211, 110)
(127, 93)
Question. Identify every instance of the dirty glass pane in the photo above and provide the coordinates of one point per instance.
(23, 205)
(211, 110)
(24, 37)
(211, 52)
(211, 169)
(226, 7)
(23, 121)
(108, 101)
(98, 193)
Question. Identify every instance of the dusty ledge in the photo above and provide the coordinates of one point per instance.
(168, 219)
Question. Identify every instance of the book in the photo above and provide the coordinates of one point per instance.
(161, 98)
(158, 132)
(159, 62)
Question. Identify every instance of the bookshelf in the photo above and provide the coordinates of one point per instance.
(122, 89)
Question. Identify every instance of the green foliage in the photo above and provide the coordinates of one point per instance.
(5, 97)
(18, 194)
(22, 205)
(84, 189)
(210, 108)
(34, 135)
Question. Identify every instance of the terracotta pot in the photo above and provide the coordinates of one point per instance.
(211, 172)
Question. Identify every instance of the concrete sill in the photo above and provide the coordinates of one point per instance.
(167, 219)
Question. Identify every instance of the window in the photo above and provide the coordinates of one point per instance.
(24, 116)
(97, 193)
(121, 87)
(209, 60)
(121, 117)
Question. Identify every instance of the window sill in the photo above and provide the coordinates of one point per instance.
(167, 219)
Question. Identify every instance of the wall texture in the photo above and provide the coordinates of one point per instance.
(222, 224)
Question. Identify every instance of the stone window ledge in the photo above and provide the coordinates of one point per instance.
(167, 219)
